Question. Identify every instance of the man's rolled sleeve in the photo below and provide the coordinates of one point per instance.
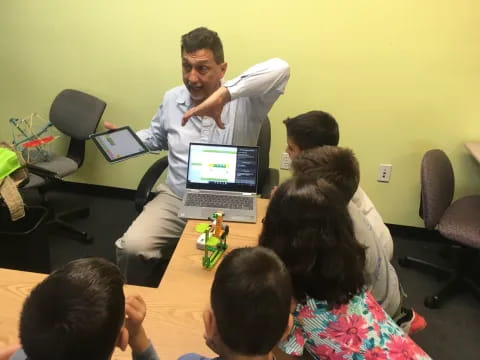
(261, 80)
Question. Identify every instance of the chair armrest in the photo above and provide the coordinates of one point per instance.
(271, 180)
(144, 189)
(40, 171)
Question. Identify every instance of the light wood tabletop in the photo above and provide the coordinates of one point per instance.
(474, 148)
(174, 310)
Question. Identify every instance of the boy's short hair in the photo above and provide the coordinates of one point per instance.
(76, 313)
(251, 297)
(310, 229)
(203, 38)
(336, 165)
(312, 129)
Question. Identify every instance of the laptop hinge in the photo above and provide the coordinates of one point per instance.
(221, 192)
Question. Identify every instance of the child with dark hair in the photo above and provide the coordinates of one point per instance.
(318, 128)
(339, 167)
(80, 312)
(250, 306)
(312, 131)
(308, 225)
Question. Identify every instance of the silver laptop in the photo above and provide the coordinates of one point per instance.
(221, 178)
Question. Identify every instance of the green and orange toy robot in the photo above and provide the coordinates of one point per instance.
(213, 240)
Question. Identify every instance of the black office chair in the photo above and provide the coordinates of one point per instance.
(18, 223)
(268, 178)
(459, 222)
(77, 115)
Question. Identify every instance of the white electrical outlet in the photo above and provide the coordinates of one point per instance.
(285, 161)
(384, 172)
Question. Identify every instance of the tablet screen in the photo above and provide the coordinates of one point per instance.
(119, 144)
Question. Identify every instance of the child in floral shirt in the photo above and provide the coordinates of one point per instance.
(308, 226)
(312, 140)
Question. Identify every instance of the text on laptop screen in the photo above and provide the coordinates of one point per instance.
(222, 167)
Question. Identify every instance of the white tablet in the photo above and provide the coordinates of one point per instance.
(119, 144)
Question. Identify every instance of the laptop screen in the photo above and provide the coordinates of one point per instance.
(222, 167)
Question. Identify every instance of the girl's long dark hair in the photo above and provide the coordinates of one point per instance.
(308, 226)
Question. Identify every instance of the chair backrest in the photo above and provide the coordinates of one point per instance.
(437, 186)
(77, 115)
(263, 142)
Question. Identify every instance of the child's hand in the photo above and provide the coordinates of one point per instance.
(8, 351)
(135, 311)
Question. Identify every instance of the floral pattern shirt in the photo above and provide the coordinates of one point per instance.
(359, 330)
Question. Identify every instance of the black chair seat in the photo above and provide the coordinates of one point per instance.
(34, 181)
(461, 221)
(61, 166)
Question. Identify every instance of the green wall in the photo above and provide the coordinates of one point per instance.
(401, 77)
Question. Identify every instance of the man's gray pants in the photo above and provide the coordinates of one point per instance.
(144, 250)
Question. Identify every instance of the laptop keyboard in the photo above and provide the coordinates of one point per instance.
(219, 201)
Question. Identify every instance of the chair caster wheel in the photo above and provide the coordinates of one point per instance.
(432, 302)
(86, 238)
(404, 262)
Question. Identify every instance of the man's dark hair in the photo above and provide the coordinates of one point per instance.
(251, 297)
(75, 313)
(336, 165)
(309, 227)
(312, 129)
(203, 38)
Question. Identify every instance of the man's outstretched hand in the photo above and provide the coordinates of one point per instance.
(211, 106)
(109, 125)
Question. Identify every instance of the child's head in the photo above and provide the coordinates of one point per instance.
(250, 302)
(309, 130)
(307, 224)
(336, 165)
(75, 313)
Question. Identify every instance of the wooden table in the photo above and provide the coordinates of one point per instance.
(474, 148)
(174, 310)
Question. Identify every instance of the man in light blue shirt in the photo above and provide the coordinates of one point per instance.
(205, 109)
